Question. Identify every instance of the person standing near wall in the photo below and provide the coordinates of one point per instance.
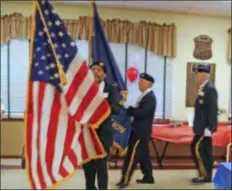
(205, 124)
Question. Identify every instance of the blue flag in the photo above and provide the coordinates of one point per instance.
(101, 51)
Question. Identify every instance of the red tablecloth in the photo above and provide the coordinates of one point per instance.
(184, 134)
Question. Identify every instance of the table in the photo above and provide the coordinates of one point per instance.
(222, 179)
(180, 134)
(183, 135)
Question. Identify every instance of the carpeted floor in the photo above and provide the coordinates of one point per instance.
(165, 179)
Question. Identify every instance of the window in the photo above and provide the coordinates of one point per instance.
(168, 96)
(19, 65)
(14, 74)
(83, 49)
(4, 77)
(118, 50)
(136, 59)
(156, 68)
(15, 65)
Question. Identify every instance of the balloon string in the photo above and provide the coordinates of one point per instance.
(131, 85)
(133, 95)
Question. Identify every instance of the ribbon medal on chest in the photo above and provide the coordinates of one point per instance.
(201, 101)
(201, 95)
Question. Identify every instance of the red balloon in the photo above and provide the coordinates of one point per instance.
(132, 74)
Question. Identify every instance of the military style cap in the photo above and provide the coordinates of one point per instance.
(147, 77)
(99, 63)
(202, 68)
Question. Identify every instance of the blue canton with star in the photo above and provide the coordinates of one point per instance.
(44, 66)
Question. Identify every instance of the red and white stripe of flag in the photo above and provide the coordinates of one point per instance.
(57, 142)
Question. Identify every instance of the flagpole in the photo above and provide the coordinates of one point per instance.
(26, 157)
(90, 36)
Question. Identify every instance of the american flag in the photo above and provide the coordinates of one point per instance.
(60, 119)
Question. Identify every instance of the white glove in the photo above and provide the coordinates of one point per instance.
(207, 132)
(105, 95)
(125, 105)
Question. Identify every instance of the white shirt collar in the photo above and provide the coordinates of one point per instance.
(146, 92)
(203, 85)
(142, 95)
(102, 86)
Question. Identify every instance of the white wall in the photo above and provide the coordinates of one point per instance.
(188, 28)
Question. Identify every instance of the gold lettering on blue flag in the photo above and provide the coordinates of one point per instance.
(118, 127)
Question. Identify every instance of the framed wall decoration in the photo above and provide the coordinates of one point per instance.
(191, 87)
(203, 47)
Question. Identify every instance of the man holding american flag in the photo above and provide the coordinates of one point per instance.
(105, 131)
(64, 104)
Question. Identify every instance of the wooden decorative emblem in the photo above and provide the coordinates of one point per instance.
(203, 45)
(191, 87)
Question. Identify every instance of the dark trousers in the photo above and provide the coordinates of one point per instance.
(201, 148)
(99, 167)
(137, 153)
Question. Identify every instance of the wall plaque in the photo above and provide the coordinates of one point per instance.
(203, 47)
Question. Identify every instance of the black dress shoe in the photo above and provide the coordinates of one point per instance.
(120, 182)
(202, 179)
(145, 181)
(121, 185)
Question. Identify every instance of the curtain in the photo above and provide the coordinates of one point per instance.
(159, 39)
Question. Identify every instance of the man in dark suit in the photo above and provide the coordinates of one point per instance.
(143, 115)
(205, 124)
(105, 131)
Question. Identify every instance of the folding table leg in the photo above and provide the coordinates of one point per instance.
(164, 151)
(157, 154)
(23, 161)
